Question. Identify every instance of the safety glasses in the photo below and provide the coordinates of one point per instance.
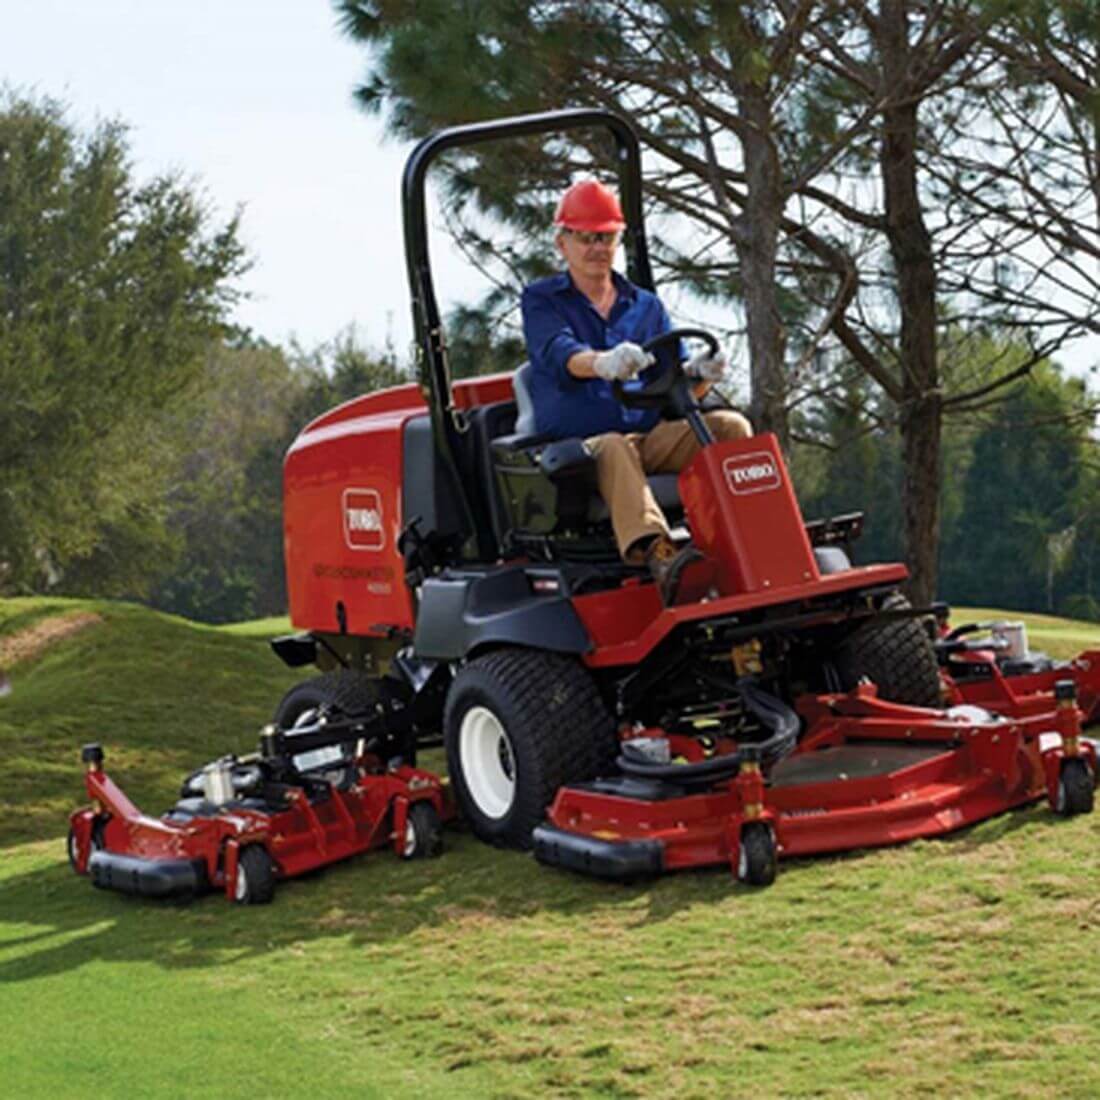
(588, 239)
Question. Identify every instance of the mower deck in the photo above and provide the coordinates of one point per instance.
(866, 774)
(242, 846)
(982, 680)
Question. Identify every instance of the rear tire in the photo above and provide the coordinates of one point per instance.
(898, 657)
(351, 693)
(518, 725)
(345, 691)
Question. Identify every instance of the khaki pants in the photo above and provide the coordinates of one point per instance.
(622, 462)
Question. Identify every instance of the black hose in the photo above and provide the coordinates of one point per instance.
(966, 628)
(772, 712)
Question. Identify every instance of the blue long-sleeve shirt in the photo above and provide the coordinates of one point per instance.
(559, 321)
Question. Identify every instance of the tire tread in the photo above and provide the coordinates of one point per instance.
(556, 706)
(898, 656)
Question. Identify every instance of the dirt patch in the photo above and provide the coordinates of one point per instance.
(29, 643)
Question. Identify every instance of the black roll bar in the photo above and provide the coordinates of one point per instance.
(432, 367)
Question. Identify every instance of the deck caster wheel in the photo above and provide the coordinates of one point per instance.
(255, 877)
(1075, 789)
(73, 849)
(423, 832)
(95, 844)
(756, 864)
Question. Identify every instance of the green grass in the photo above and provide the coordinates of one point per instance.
(1061, 638)
(19, 614)
(957, 967)
(161, 694)
(260, 628)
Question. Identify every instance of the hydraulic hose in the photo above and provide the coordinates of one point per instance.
(772, 712)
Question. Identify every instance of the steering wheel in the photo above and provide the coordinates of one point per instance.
(655, 393)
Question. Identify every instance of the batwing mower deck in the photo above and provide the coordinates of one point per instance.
(866, 773)
(990, 664)
(242, 825)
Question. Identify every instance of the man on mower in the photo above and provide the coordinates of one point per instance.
(584, 328)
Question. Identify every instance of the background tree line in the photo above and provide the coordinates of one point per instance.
(896, 205)
(861, 184)
(141, 435)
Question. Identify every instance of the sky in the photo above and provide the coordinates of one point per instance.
(252, 100)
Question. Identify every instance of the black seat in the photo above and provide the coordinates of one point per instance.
(665, 487)
(525, 405)
(544, 497)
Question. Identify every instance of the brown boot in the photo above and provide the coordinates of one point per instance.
(667, 565)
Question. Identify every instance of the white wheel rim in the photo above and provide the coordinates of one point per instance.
(488, 763)
(241, 890)
(410, 839)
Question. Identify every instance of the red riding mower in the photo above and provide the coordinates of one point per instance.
(315, 793)
(442, 554)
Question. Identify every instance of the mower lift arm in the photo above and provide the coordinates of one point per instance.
(277, 743)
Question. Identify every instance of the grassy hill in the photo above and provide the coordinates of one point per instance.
(953, 967)
(160, 693)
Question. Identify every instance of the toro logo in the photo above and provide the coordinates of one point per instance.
(752, 473)
(363, 529)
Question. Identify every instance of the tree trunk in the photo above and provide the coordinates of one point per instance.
(757, 249)
(921, 410)
(1094, 179)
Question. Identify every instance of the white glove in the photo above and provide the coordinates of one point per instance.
(706, 367)
(623, 361)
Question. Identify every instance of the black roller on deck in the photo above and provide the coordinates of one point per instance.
(615, 859)
(149, 878)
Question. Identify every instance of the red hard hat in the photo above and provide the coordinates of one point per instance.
(591, 207)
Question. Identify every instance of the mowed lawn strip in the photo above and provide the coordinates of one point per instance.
(953, 967)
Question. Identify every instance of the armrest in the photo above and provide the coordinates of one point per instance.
(556, 458)
(565, 458)
(520, 441)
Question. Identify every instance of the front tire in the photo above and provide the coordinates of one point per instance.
(519, 724)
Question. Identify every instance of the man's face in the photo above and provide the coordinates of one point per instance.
(588, 255)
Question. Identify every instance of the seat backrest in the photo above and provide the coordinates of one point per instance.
(525, 405)
(487, 422)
